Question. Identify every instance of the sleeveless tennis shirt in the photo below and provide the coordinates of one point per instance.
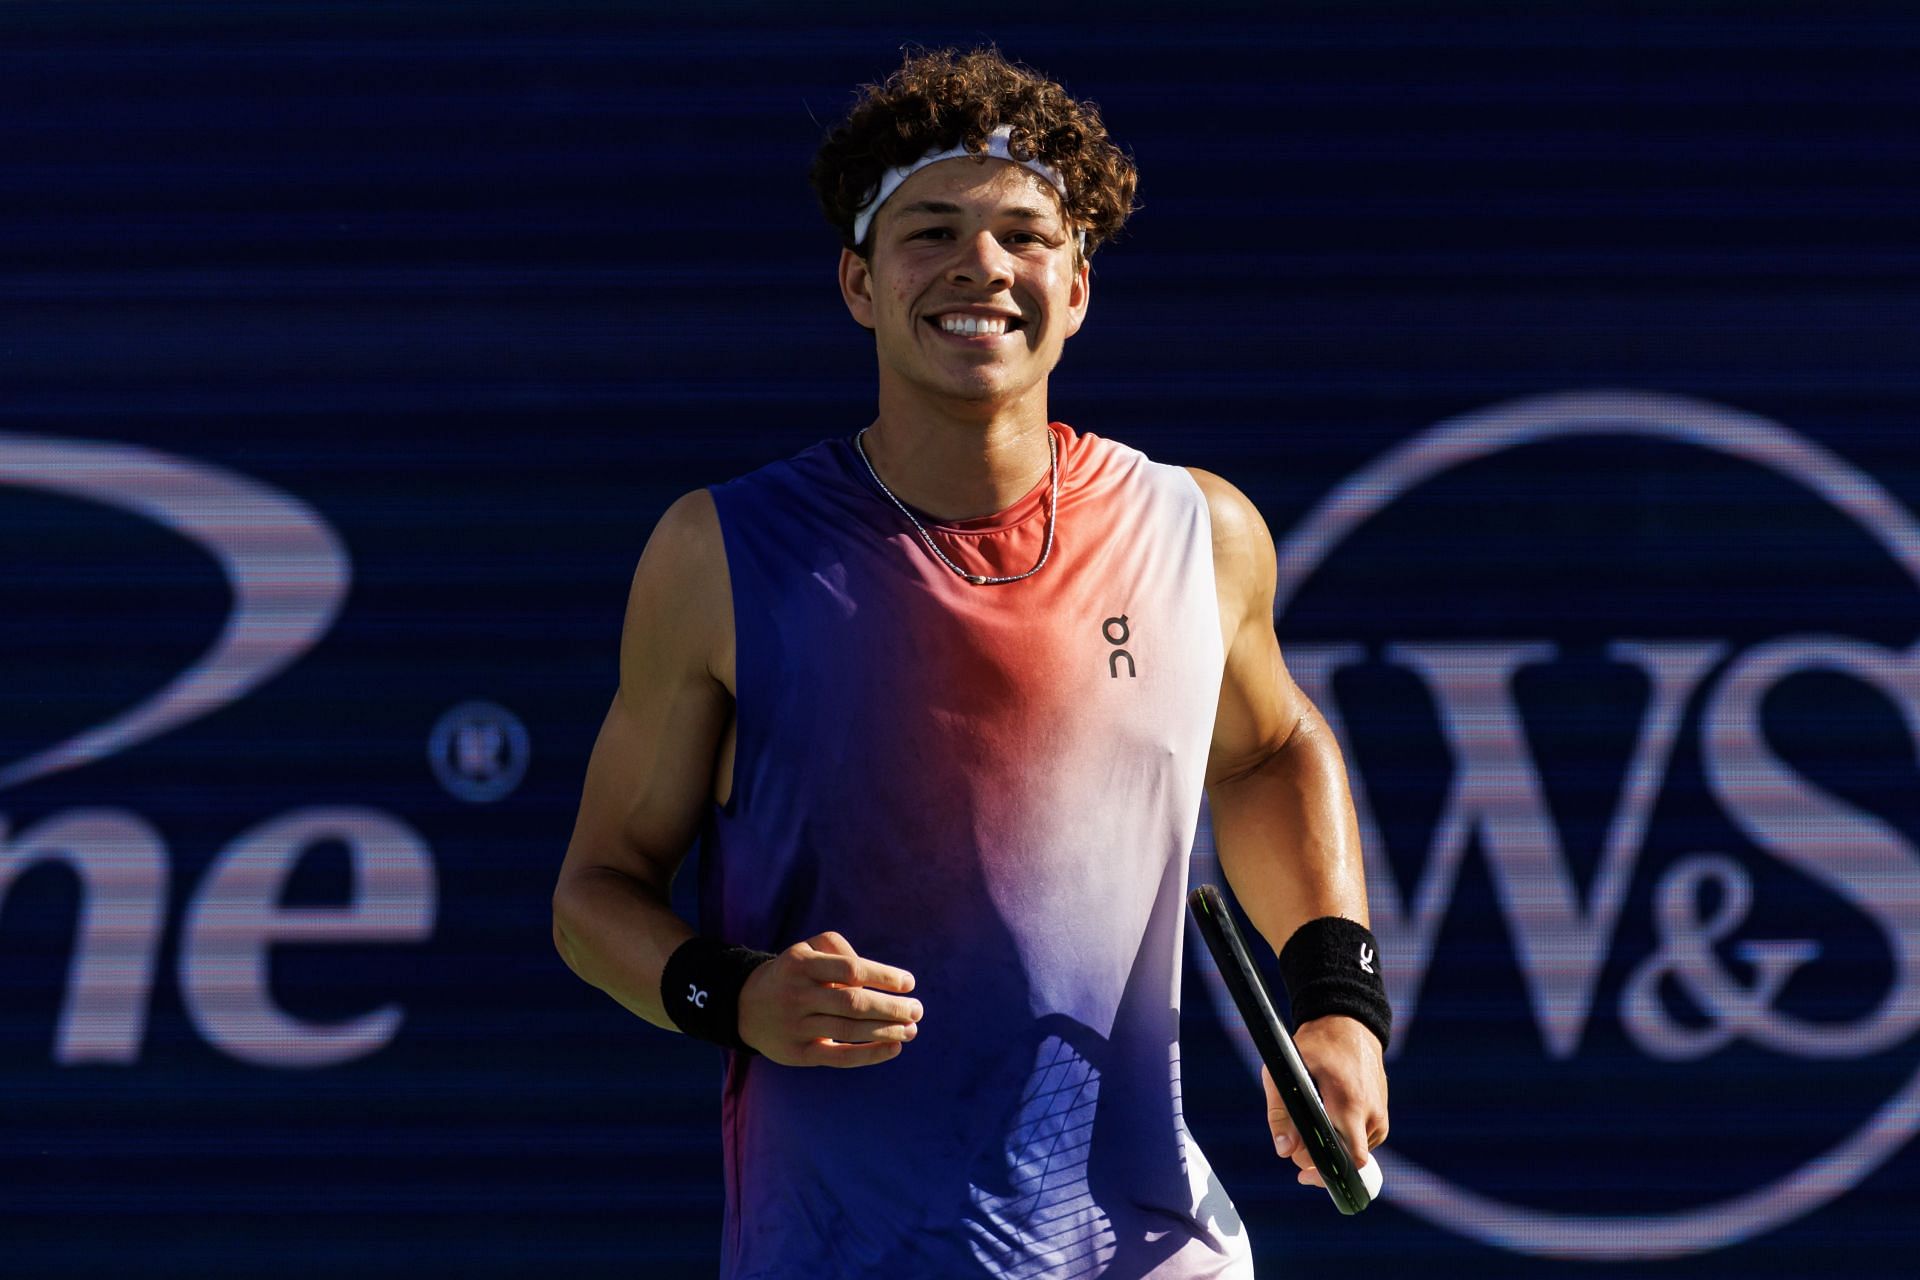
(996, 788)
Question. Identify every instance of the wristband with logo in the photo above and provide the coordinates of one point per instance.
(700, 988)
(1332, 965)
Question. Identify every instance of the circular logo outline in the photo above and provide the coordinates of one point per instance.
(519, 752)
(1483, 433)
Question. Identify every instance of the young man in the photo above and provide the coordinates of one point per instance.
(941, 697)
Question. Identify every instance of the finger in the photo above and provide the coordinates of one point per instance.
(849, 970)
(858, 1002)
(1376, 1128)
(1310, 1177)
(1286, 1139)
(1353, 1129)
(832, 943)
(884, 976)
(826, 1053)
(853, 1031)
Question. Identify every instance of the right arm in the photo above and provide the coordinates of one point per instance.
(648, 782)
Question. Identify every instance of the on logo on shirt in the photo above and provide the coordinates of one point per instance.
(1113, 658)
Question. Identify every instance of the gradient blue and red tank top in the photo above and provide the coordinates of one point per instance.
(997, 788)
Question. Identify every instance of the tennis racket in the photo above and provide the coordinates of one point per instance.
(1352, 1189)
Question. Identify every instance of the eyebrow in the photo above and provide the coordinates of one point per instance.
(945, 206)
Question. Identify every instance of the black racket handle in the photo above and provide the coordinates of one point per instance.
(1351, 1189)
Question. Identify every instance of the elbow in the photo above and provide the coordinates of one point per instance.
(562, 941)
(1307, 741)
(1279, 751)
(1302, 744)
(1308, 731)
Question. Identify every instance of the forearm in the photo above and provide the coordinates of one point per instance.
(1287, 836)
(617, 932)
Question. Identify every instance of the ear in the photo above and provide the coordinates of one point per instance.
(856, 287)
(1078, 297)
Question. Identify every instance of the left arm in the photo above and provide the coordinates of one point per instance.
(1283, 818)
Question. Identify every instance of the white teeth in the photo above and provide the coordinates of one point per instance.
(970, 326)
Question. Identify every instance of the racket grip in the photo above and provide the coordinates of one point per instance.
(1371, 1178)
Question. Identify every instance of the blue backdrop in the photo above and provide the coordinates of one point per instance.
(349, 353)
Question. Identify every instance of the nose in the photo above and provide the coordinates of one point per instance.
(981, 260)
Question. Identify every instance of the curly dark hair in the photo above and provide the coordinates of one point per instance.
(943, 98)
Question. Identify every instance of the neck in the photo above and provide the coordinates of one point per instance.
(954, 464)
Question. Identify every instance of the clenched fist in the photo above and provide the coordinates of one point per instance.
(1344, 1060)
(819, 1004)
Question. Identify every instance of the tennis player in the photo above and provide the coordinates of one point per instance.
(940, 698)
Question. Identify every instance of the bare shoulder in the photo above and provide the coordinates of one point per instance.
(686, 541)
(680, 607)
(1243, 555)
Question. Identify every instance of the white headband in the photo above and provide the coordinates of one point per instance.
(997, 147)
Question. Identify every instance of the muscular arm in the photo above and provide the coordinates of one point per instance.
(649, 780)
(652, 767)
(1283, 817)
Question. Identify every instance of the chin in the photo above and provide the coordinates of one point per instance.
(985, 392)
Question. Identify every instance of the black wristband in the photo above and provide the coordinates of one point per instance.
(1332, 965)
(700, 988)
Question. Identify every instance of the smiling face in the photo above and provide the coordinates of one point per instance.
(972, 287)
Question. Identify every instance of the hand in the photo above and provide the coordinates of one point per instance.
(818, 1004)
(1344, 1059)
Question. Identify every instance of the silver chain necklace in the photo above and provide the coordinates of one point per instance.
(978, 580)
